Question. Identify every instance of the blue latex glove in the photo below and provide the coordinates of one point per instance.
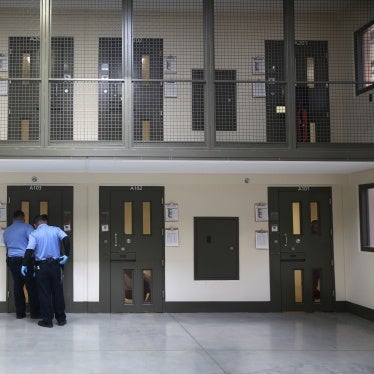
(23, 270)
(63, 260)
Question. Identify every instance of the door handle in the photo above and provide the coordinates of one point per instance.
(285, 239)
(115, 239)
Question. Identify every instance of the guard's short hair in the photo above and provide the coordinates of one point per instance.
(18, 214)
(40, 218)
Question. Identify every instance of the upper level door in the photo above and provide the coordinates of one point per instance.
(301, 250)
(311, 91)
(57, 203)
(132, 248)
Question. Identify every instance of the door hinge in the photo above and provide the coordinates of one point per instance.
(330, 201)
(162, 231)
(8, 199)
(162, 262)
(332, 262)
(333, 293)
(163, 294)
(8, 295)
(162, 201)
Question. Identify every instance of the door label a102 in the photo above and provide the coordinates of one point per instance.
(35, 187)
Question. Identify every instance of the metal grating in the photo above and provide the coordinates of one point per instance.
(19, 71)
(165, 100)
(167, 46)
(241, 30)
(328, 107)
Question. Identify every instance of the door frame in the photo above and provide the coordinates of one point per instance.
(68, 210)
(104, 305)
(274, 242)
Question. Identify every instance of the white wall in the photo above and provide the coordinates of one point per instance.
(196, 195)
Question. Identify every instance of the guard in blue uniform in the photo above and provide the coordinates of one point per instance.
(44, 243)
(16, 237)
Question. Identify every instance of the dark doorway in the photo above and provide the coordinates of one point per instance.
(132, 249)
(62, 92)
(301, 248)
(312, 99)
(57, 203)
(110, 93)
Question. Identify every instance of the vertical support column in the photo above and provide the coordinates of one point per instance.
(127, 102)
(209, 75)
(290, 70)
(45, 34)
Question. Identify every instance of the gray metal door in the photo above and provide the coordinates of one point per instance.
(216, 248)
(312, 99)
(303, 237)
(57, 203)
(133, 237)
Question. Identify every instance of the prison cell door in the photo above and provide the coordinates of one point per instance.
(148, 95)
(312, 99)
(304, 239)
(110, 92)
(23, 93)
(134, 234)
(62, 91)
(57, 203)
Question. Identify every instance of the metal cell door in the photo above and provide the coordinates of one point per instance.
(301, 233)
(57, 203)
(23, 94)
(132, 235)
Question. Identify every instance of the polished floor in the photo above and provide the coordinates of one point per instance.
(189, 343)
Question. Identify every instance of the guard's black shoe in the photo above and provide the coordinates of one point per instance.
(45, 324)
(61, 323)
(20, 316)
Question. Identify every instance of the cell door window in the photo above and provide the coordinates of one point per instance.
(366, 198)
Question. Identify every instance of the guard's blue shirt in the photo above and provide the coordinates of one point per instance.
(45, 241)
(16, 237)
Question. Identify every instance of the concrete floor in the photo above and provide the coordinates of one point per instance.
(189, 343)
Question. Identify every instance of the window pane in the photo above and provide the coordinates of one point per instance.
(127, 217)
(43, 207)
(25, 207)
(314, 220)
(298, 282)
(146, 218)
(371, 217)
(128, 286)
(316, 285)
(147, 286)
(296, 218)
(366, 197)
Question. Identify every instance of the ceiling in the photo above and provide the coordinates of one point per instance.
(109, 165)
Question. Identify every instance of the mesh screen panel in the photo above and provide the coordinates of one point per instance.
(325, 52)
(167, 46)
(91, 98)
(244, 110)
(86, 46)
(19, 70)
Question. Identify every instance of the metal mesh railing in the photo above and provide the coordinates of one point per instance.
(92, 97)
(328, 107)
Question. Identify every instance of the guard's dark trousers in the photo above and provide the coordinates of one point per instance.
(51, 294)
(19, 281)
